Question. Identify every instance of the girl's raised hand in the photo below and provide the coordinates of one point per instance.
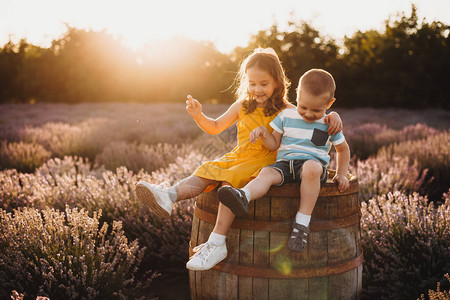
(334, 121)
(193, 107)
(257, 132)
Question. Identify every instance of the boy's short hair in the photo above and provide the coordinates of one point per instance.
(317, 82)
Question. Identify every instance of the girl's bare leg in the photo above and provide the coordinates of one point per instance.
(225, 218)
(191, 186)
(259, 186)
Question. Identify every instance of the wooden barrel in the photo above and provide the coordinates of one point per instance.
(260, 265)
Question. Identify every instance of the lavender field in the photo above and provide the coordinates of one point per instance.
(71, 228)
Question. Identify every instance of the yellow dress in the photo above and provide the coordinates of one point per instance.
(245, 161)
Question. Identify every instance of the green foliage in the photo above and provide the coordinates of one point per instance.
(405, 65)
(300, 48)
(402, 66)
(89, 66)
(66, 255)
(406, 244)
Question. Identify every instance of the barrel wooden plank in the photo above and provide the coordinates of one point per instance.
(344, 285)
(231, 286)
(204, 278)
(246, 244)
(198, 283)
(245, 289)
(205, 230)
(219, 284)
(299, 289)
(318, 250)
(260, 289)
(261, 249)
(233, 246)
(203, 282)
(261, 238)
(300, 259)
(200, 199)
(350, 284)
(207, 289)
(192, 284)
(279, 289)
(325, 208)
(195, 231)
(251, 211)
(359, 287)
(345, 205)
(358, 238)
(262, 209)
(318, 288)
(282, 209)
(334, 286)
(348, 242)
(334, 246)
(261, 266)
(211, 203)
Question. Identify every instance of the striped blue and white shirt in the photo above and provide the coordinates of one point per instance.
(303, 140)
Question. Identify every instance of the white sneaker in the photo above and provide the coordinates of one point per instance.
(206, 256)
(157, 199)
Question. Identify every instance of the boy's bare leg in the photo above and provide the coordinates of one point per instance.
(191, 186)
(259, 186)
(309, 191)
(310, 186)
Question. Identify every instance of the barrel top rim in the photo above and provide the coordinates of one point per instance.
(353, 180)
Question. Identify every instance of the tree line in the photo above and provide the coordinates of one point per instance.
(405, 65)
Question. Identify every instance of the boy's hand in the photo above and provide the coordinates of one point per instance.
(343, 183)
(257, 132)
(334, 121)
(193, 107)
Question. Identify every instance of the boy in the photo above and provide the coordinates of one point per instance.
(303, 145)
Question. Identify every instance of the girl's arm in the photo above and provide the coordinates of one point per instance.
(210, 125)
(270, 141)
(334, 121)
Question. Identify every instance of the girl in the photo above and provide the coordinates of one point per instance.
(261, 95)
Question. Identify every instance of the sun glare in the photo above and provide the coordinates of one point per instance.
(225, 23)
(141, 23)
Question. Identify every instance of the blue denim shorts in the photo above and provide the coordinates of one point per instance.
(291, 171)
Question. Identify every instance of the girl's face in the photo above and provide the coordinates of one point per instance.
(260, 84)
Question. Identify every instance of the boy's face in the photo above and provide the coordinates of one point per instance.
(312, 108)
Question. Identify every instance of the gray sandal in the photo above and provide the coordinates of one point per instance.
(298, 239)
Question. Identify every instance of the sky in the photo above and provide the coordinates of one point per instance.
(226, 23)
